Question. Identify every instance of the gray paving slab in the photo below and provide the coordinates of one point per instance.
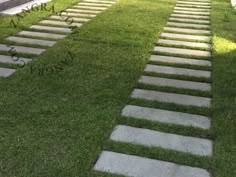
(165, 97)
(177, 71)
(60, 23)
(179, 60)
(21, 49)
(101, 2)
(192, 9)
(165, 116)
(69, 19)
(84, 11)
(90, 7)
(196, 45)
(43, 35)
(189, 52)
(94, 4)
(135, 166)
(151, 138)
(186, 30)
(193, 6)
(191, 12)
(14, 60)
(6, 72)
(50, 28)
(187, 20)
(186, 37)
(78, 15)
(158, 81)
(188, 25)
(31, 41)
(190, 16)
(195, 3)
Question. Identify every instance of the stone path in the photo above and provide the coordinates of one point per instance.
(185, 43)
(47, 32)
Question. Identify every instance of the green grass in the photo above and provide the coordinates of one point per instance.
(57, 124)
(224, 84)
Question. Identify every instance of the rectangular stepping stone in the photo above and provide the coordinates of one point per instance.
(191, 16)
(78, 15)
(193, 6)
(185, 30)
(178, 60)
(164, 116)
(190, 52)
(6, 72)
(135, 166)
(187, 20)
(63, 18)
(192, 9)
(188, 25)
(60, 23)
(195, 3)
(165, 97)
(40, 34)
(101, 2)
(177, 71)
(31, 41)
(49, 28)
(95, 4)
(186, 37)
(13, 60)
(21, 49)
(83, 11)
(191, 12)
(196, 45)
(90, 7)
(158, 81)
(151, 138)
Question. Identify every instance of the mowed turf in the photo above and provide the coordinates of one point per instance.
(224, 87)
(56, 124)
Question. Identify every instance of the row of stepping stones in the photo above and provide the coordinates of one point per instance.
(185, 41)
(47, 32)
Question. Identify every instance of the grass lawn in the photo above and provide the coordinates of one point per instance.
(56, 125)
